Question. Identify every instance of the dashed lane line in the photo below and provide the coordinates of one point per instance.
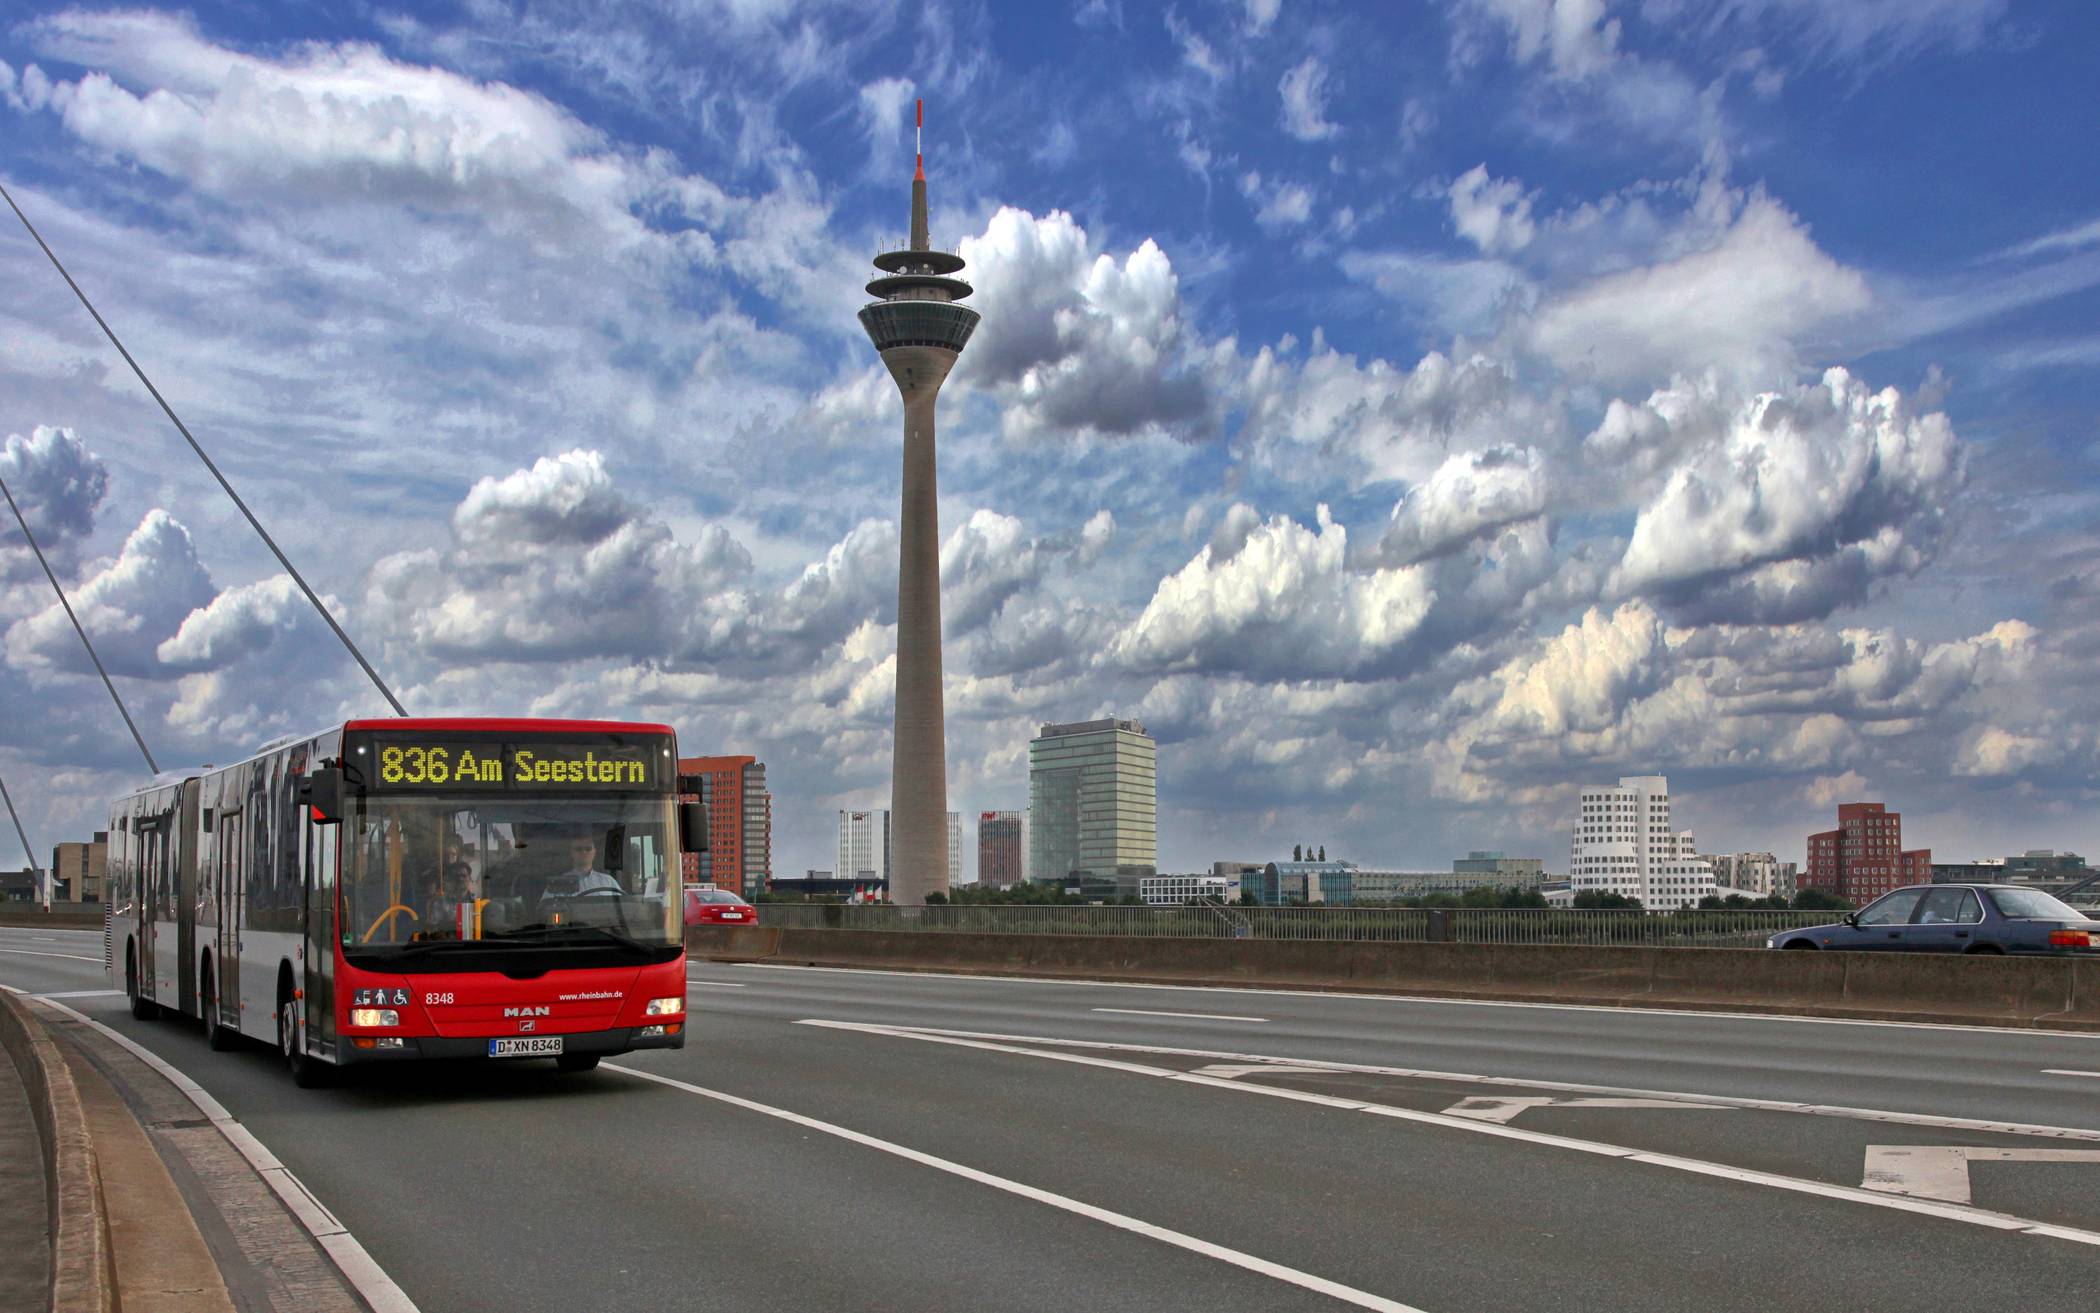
(1121, 1221)
(2062, 1071)
(1522, 1083)
(358, 1268)
(81, 993)
(1200, 1016)
(1852, 1194)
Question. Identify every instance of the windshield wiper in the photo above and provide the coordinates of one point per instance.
(558, 931)
(427, 945)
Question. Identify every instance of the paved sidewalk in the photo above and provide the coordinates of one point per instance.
(25, 1237)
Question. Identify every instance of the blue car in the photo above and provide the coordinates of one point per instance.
(1955, 918)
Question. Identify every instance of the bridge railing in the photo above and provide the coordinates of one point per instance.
(1719, 928)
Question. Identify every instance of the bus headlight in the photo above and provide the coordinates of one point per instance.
(374, 1017)
(665, 1007)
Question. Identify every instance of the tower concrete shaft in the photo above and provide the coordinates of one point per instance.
(920, 332)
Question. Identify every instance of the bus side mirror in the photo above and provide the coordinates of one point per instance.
(692, 827)
(321, 793)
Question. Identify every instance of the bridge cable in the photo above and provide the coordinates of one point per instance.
(27, 851)
(151, 765)
(195, 446)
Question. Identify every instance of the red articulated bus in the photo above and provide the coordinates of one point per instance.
(389, 890)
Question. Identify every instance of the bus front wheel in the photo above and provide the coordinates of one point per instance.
(307, 1071)
(576, 1062)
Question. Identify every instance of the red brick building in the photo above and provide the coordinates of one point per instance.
(739, 854)
(1002, 849)
(1864, 857)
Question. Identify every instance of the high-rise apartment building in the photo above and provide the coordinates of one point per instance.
(1093, 800)
(1864, 857)
(739, 854)
(1624, 845)
(955, 850)
(864, 845)
(1002, 849)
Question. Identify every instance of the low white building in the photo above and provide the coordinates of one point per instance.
(1754, 875)
(1174, 890)
(1624, 844)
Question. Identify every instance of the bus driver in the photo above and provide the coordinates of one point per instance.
(582, 875)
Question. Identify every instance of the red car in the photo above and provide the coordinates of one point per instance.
(717, 907)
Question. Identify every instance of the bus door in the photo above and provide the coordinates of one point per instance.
(227, 873)
(319, 934)
(182, 872)
(153, 843)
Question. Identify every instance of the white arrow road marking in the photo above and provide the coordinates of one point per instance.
(1494, 1108)
(1941, 1171)
(1700, 1167)
(1949, 1125)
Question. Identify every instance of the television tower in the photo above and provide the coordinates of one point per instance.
(919, 330)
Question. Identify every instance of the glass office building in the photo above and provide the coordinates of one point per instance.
(1093, 800)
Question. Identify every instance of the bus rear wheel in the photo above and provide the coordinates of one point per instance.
(145, 1009)
(576, 1062)
(216, 1036)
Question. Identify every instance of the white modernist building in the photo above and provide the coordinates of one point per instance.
(1624, 845)
(865, 843)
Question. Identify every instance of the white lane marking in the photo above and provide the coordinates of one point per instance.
(81, 993)
(1122, 1221)
(32, 952)
(2062, 1071)
(1227, 1070)
(1529, 1083)
(44, 939)
(716, 984)
(1941, 1171)
(357, 1266)
(1798, 1185)
(1200, 1016)
(1432, 999)
(1498, 1108)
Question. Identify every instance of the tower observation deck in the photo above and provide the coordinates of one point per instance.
(920, 330)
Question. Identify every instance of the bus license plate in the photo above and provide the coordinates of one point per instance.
(537, 1046)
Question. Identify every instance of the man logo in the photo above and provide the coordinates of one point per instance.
(540, 1011)
(526, 1025)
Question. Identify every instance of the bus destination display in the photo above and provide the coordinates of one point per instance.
(404, 763)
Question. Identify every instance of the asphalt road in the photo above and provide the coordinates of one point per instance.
(948, 1143)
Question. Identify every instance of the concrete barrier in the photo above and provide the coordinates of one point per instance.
(2042, 992)
(83, 1272)
(62, 916)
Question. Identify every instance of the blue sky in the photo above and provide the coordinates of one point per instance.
(1412, 412)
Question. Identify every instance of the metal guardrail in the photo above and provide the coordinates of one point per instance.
(1721, 928)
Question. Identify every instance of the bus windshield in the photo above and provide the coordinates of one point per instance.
(423, 869)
